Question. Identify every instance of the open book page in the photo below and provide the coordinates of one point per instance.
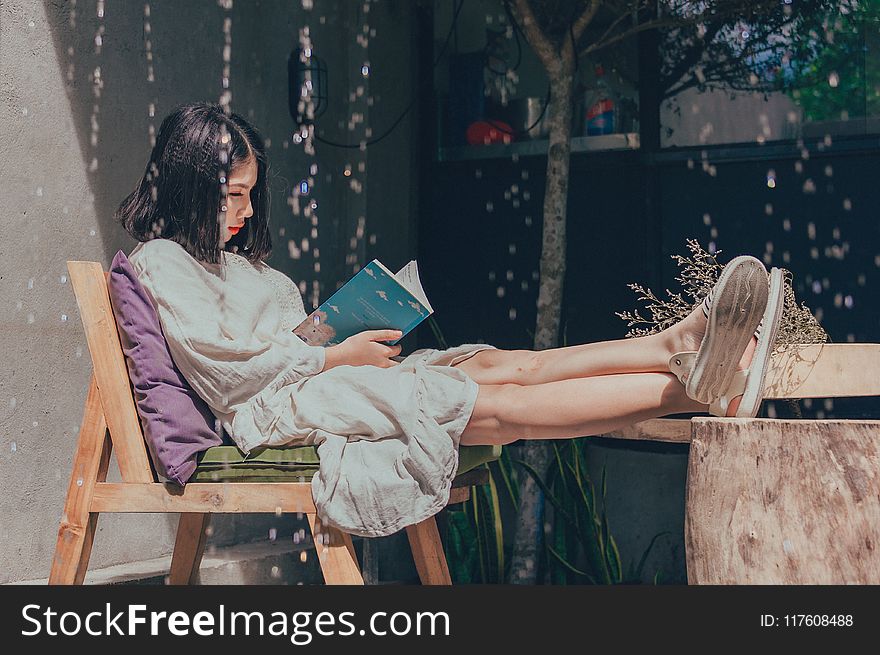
(408, 276)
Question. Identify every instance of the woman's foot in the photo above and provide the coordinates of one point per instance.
(744, 363)
(687, 334)
(687, 337)
(713, 347)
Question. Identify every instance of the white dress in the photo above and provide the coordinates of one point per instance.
(387, 438)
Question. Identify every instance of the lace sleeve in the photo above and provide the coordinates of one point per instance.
(289, 297)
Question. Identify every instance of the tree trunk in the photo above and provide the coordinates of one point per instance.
(529, 528)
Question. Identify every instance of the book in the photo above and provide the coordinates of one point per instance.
(374, 299)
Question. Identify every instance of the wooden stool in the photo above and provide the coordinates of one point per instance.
(110, 421)
(772, 501)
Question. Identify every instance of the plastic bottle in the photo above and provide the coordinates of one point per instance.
(601, 107)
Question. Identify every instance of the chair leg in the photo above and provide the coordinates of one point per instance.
(188, 548)
(337, 558)
(428, 555)
(76, 531)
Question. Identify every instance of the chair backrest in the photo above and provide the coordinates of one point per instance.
(89, 281)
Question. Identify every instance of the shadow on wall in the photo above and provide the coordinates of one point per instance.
(109, 96)
(103, 64)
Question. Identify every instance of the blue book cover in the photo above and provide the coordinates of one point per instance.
(374, 299)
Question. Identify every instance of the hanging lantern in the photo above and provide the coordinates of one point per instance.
(306, 81)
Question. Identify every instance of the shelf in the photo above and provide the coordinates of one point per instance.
(627, 141)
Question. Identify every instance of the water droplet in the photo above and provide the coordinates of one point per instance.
(64, 318)
(273, 533)
(79, 482)
(13, 446)
(303, 556)
(848, 302)
(847, 204)
(276, 572)
(30, 317)
(512, 314)
(490, 207)
(833, 79)
(500, 292)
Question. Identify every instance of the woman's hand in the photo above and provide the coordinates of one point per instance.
(363, 349)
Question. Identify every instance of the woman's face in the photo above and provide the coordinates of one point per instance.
(238, 208)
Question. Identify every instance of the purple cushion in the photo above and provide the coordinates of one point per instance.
(178, 425)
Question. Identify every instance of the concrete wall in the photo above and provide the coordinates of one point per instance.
(57, 205)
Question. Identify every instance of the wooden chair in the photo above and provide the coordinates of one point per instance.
(110, 421)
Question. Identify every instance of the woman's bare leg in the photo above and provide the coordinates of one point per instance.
(639, 355)
(573, 408)
(580, 406)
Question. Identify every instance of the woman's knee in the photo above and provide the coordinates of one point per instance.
(499, 367)
(492, 418)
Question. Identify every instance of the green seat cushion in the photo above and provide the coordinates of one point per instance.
(295, 463)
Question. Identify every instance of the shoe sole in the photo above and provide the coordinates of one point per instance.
(739, 302)
(754, 391)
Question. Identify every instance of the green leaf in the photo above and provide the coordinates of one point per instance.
(644, 558)
(505, 467)
(613, 557)
(548, 493)
(460, 547)
(435, 328)
(571, 568)
(499, 529)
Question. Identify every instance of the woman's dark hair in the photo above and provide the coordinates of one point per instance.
(182, 193)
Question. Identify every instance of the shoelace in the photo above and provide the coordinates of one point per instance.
(707, 303)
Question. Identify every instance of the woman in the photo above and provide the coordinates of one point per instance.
(388, 432)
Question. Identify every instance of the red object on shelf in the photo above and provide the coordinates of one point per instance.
(483, 133)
